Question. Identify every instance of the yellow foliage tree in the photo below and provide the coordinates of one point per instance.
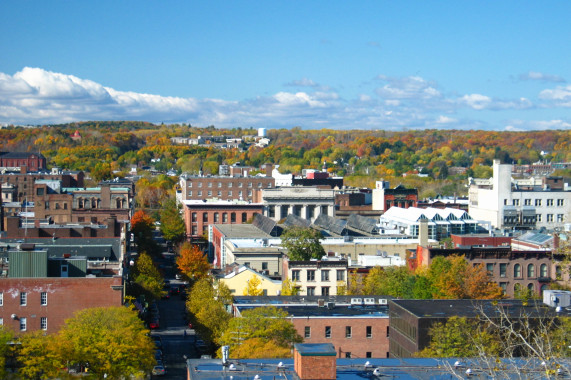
(253, 287)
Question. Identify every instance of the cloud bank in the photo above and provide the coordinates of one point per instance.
(36, 96)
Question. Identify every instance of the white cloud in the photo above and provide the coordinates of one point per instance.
(534, 75)
(37, 96)
(304, 82)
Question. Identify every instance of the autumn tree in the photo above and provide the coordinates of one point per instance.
(147, 278)
(253, 287)
(192, 262)
(289, 288)
(101, 171)
(392, 281)
(41, 356)
(142, 227)
(263, 332)
(172, 224)
(112, 340)
(207, 306)
(455, 278)
(302, 244)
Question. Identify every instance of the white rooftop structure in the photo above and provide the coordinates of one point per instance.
(441, 222)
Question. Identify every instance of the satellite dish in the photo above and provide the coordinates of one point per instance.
(377, 372)
(368, 364)
(281, 365)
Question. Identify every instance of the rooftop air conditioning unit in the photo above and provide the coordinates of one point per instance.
(369, 301)
(356, 301)
(382, 301)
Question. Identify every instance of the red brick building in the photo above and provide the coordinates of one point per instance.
(198, 215)
(480, 240)
(224, 188)
(30, 304)
(33, 161)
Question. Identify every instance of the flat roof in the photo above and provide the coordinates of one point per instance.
(337, 311)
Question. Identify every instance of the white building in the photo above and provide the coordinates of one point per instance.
(529, 203)
(282, 180)
(441, 222)
(303, 201)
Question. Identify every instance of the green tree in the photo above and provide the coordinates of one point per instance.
(392, 281)
(302, 244)
(192, 262)
(172, 224)
(112, 340)
(258, 331)
(101, 171)
(459, 337)
(6, 336)
(207, 306)
(147, 278)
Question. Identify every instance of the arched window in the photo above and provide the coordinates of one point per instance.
(517, 271)
(205, 217)
(544, 287)
(233, 217)
(558, 272)
(530, 270)
(93, 203)
(225, 217)
(194, 217)
(543, 270)
(530, 286)
(244, 217)
(216, 217)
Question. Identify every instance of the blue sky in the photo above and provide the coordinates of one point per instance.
(395, 65)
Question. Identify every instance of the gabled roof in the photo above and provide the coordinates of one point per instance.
(331, 224)
(296, 221)
(362, 223)
(264, 223)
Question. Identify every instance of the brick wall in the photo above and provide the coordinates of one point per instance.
(65, 296)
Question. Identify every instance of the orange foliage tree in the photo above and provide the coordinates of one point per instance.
(192, 262)
(142, 226)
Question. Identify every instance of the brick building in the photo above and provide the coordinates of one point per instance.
(224, 188)
(30, 304)
(357, 326)
(198, 215)
(13, 160)
(384, 197)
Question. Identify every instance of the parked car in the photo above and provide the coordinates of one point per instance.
(159, 370)
(154, 324)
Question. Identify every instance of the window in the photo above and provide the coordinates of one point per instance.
(517, 271)
(527, 202)
(199, 193)
(295, 275)
(44, 323)
(23, 324)
(369, 354)
(40, 191)
(23, 298)
(543, 270)
(209, 193)
(503, 269)
(194, 231)
(324, 275)
(560, 202)
(210, 184)
(199, 184)
(530, 286)
(307, 333)
(216, 217)
(490, 268)
(250, 184)
(348, 355)
(310, 290)
(240, 184)
(219, 193)
(550, 202)
(538, 217)
(369, 330)
(244, 217)
(325, 290)
(225, 218)
(550, 217)
(259, 185)
(219, 184)
(194, 217)
(340, 275)
(204, 217)
(190, 193)
(515, 202)
(347, 331)
(47, 205)
(43, 298)
(310, 275)
(531, 270)
(264, 265)
(328, 331)
(190, 184)
(229, 185)
(229, 193)
(560, 218)
(558, 272)
(1, 299)
(538, 202)
(505, 202)
(233, 217)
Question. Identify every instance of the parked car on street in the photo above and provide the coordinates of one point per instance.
(159, 370)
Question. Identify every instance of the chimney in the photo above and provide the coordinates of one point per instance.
(23, 169)
(423, 233)
(315, 361)
(269, 168)
(555, 241)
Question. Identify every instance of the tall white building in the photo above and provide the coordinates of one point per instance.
(525, 204)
